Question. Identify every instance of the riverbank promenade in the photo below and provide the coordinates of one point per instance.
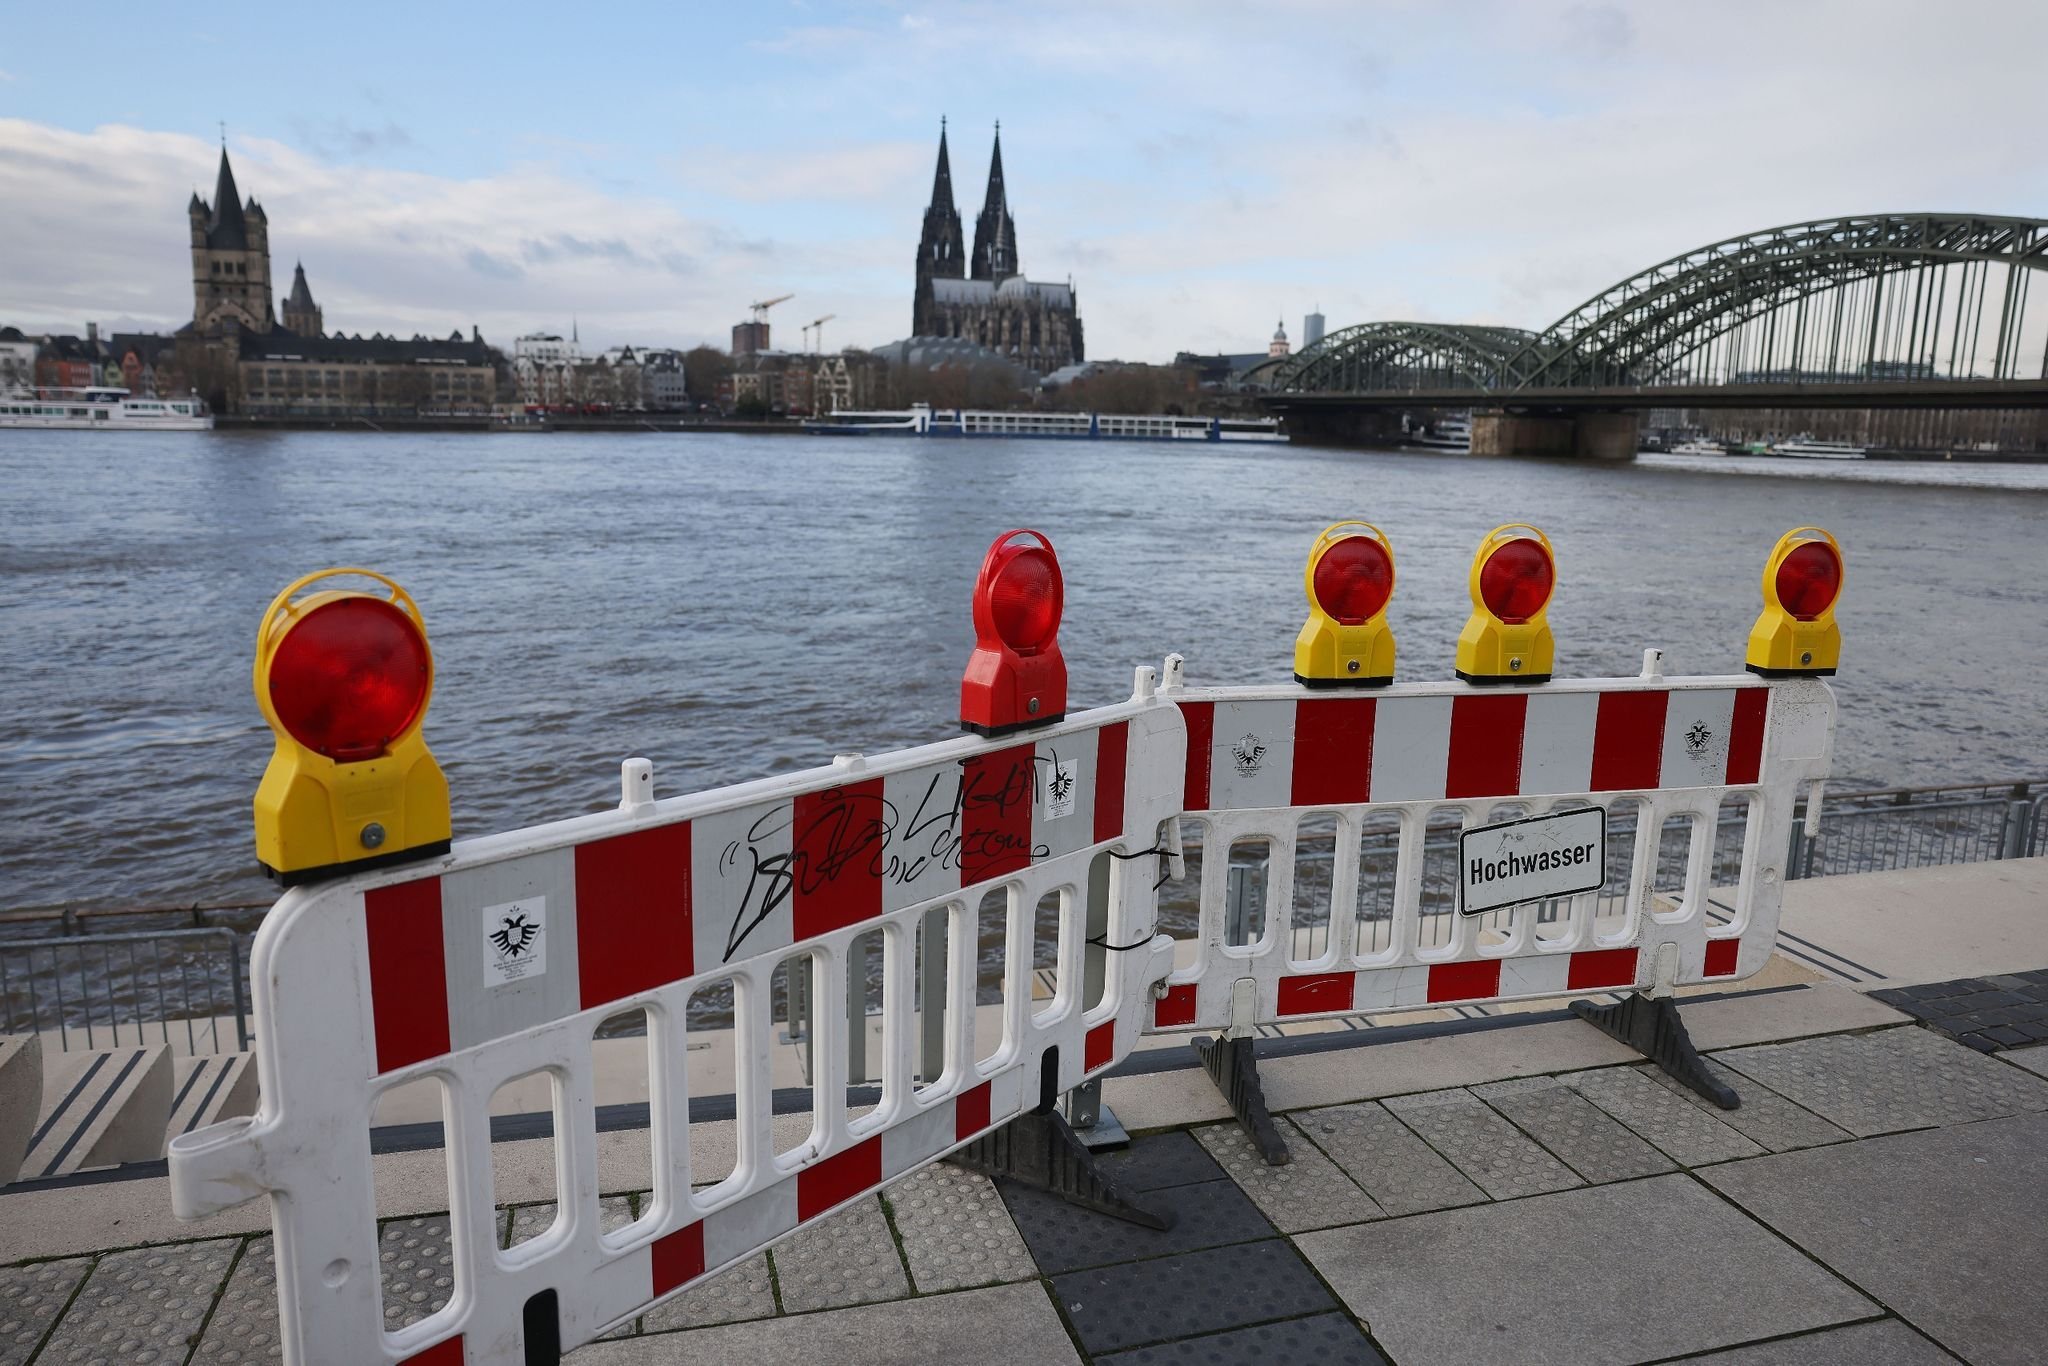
(1511, 1188)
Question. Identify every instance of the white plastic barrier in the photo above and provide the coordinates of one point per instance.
(1386, 780)
(499, 960)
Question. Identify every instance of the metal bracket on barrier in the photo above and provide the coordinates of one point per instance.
(1234, 1067)
(1038, 1149)
(1651, 1026)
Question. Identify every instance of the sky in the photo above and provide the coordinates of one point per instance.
(643, 172)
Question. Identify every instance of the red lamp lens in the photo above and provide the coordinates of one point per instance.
(348, 677)
(1024, 600)
(1354, 579)
(1808, 580)
(1515, 581)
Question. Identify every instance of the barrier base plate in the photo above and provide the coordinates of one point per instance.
(1105, 1133)
(1651, 1026)
(1234, 1067)
(1042, 1151)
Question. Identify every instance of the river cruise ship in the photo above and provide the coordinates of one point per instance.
(107, 409)
(1806, 448)
(923, 420)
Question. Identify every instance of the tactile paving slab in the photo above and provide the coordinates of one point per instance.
(1158, 1161)
(243, 1330)
(1764, 1117)
(1198, 1292)
(849, 1258)
(1064, 1237)
(1684, 1132)
(1585, 1138)
(1894, 1079)
(1325, 1340)
(1492, 1153)
(614, 1212)
(418, 1264)
(30, 1300)
(1399, 1171)
(1308, 1192)
(732, 1296)
(141, 1308)
(955, 1230)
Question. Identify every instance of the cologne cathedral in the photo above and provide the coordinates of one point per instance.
(983, 297)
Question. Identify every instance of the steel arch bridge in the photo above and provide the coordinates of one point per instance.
(1868, 300)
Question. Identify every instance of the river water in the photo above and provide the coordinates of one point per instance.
(730, 606)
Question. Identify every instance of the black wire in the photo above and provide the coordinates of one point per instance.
(1165, 868)
(1119, 948)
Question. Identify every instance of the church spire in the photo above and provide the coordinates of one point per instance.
(942, 179)
(227, 230)
(995, 231)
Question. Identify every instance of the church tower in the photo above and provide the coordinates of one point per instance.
(995, 232)
(941, 254)
(230, 260)
(301, 314)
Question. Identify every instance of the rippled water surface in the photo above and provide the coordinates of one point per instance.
(730, 606)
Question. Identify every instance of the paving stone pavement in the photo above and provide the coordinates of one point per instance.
(1492, 1153)
(1765, 1118)
(1133, 1303)
(848, 1258)
(142, 1307)
(1890, 1080)
(1325, 1340)
(417, 1262)
(1306, 1192)
(1433, 1216)
(955, 1230)
(243, 1330)
(30, 1299)
(1681, 1130)
(1586, 1138)
(735, 1295)
(1985, 1013)
(1399, 1171)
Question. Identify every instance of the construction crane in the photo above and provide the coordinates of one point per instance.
(815, 330)
(761, 309)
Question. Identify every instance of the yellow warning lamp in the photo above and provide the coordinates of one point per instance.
(1349, 578)
(1506, 639)
(343, 677)
(1796, 635)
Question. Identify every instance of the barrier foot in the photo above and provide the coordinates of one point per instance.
(1041, 1151)
(1234, 1067)
(1650, 1025)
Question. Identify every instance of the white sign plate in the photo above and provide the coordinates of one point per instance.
(515, 941)
(1538, 858)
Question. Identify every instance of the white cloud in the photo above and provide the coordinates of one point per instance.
(1197, 168)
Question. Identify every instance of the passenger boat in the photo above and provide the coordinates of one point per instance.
(1699, 445)
(104, 409)
(1445, 434)
(1807, 448)
(922, 419)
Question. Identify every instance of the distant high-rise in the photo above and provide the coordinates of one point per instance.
(1312, 329)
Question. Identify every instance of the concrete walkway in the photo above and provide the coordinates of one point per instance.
(1518, 1192)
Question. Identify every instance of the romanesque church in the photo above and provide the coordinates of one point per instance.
(984, 297)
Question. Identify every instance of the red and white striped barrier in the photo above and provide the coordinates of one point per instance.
(500, 959)
(1439, 757)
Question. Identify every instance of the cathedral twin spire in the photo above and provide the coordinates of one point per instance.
(940, 254)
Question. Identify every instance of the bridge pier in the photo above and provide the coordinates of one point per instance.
(1372, 427)
(1585, 436)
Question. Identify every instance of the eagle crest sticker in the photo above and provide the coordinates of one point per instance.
(515, 941)
(1061, 786)
(1249, 753)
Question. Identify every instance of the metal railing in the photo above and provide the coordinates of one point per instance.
(1921, 827)
(110, 990)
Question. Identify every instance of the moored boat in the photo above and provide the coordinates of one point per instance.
(922, 419)
(104, 409)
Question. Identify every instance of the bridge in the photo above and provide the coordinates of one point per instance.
(1919, 310)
